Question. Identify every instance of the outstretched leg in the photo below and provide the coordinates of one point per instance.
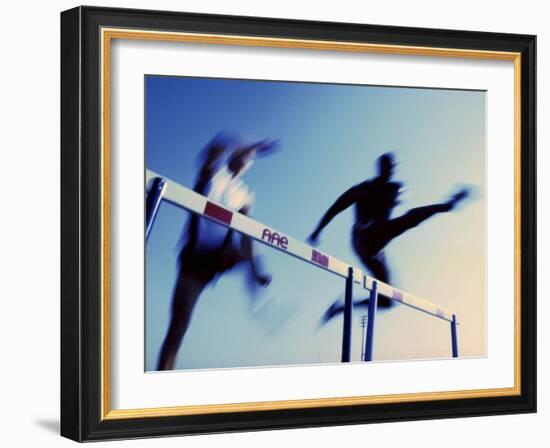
(188, 288)
(416, 216)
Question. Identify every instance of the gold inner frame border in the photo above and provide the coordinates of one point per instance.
(107, 35)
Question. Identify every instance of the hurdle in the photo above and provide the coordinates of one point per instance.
(159, 189)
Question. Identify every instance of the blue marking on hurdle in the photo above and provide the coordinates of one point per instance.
(152, 203)
(373, 301)
(454, 338)
(348, 314)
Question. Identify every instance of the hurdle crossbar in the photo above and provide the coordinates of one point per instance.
(188, 199)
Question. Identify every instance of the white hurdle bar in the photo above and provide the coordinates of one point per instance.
(160, 188)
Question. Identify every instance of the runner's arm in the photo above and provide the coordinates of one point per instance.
(347, 199)
(209, 168)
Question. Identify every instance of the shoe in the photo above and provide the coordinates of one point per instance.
(456, 198)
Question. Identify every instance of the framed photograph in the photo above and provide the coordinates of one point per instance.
(274, 223)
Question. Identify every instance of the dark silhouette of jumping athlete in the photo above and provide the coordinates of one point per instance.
(209, 249)
(374, 200)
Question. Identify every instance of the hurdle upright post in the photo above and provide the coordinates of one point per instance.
(152, 203)
(373, 302)
(454, 337)
(348, 314)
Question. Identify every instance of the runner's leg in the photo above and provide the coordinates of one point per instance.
(414, 217)
(189, 286)
(379, 269)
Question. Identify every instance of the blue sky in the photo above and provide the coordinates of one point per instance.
(330, 136)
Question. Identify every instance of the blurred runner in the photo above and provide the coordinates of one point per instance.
(210, 249)
(374, 201)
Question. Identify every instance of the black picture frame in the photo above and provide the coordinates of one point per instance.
(81, 225)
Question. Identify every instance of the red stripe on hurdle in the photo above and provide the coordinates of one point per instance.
(319, 258)
(218, 213)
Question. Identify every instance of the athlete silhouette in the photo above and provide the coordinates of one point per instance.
(210, 249)
(374, 201)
